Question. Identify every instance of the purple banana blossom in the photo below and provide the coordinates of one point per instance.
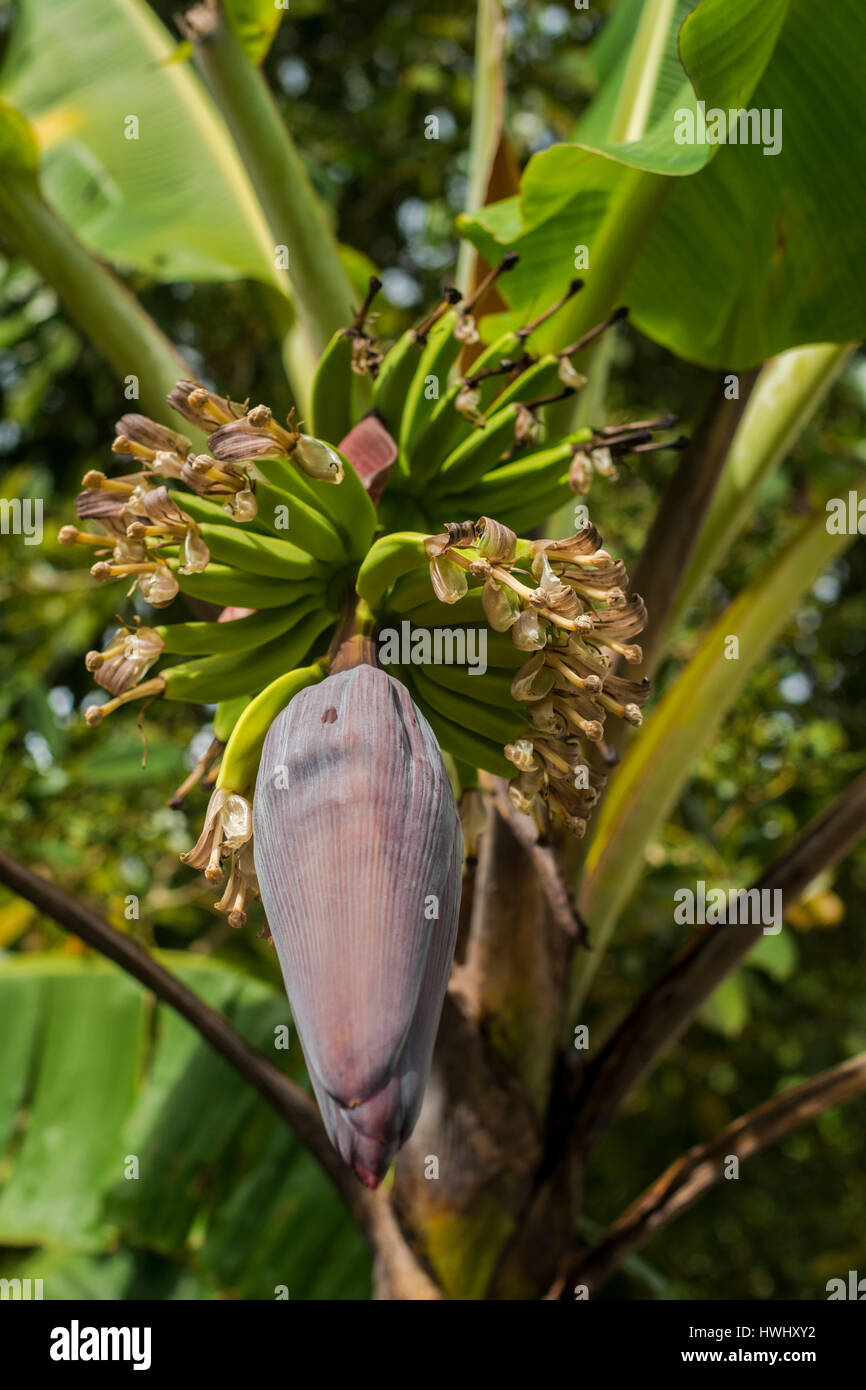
(358, 852)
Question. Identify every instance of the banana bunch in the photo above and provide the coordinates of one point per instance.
(281, 529)
(542, 624)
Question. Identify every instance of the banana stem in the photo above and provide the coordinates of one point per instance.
(102, 307)
(488, 106)
(321, 288)
(354, 642)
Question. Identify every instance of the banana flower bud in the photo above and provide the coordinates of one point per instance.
(358, 852)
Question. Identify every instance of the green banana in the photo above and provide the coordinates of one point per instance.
(437, 360)
(472, 748)
(333, 390)
(224, 585)
(411, 590)
(202, 509)
(214, 679)
(502, 653)
(536, 510)
(287, 477)
(479, 453)
(507, 348)
(208, 638)
(391, 556)
(498, 724)
(243, 752)
(307, 526)
(227, 714)
(445, 429)
(395, 377)
(515, 480)
(539, 379)
(257, 553)
(468, 609)
(399, 512)
(347, 504)
(493, 688)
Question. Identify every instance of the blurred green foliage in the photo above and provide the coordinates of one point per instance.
(355, 85)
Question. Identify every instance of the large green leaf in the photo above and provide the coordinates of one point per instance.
(680, 54)
(645, 789)
(85, 1031)
(120, 1275)
(255, 22)
(92, 1074)
(788, 392)
(176, 200)
(735, 255)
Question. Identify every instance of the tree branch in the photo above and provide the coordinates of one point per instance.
(703, 1166)
(681, 511)
(371, 1211)
(664, 1012)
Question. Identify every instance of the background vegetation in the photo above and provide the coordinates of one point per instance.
(244, 1209)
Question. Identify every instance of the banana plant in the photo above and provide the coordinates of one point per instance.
(415, 679)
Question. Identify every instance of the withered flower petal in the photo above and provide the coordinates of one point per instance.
(501, 605)
(529, 633)
(448, 579)
(496, 543)
(241, 886)
(151, 435)
(126, 658)
(201, 407)
(159, 586)
(228, 825)
(242, 506)
(585, 542)
(237, 441)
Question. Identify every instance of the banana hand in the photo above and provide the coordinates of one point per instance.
(204, 638)
(224, 585)
(214, 679)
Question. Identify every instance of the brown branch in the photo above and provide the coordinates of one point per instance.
(664, 1012)
(371, 1211)
(703, 1166)
(681, 511)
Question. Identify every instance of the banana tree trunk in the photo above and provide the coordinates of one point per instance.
(467, 1177)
